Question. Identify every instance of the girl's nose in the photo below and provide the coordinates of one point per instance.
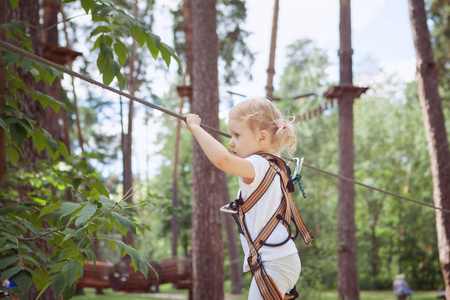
(231, 143)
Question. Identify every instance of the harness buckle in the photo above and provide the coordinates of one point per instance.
(258, 262)
(231, 208)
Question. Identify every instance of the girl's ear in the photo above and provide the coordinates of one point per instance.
(263, 136)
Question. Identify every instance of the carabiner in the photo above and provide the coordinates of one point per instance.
(298, 166)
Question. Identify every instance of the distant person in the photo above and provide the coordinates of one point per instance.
(10, 283)
(401, 287)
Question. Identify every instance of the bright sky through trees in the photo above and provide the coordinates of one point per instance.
(381, 38)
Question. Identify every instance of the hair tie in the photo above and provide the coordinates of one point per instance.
(279, 127)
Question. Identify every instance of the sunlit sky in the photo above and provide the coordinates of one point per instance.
(381, 32)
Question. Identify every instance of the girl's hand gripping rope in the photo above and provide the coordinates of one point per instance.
(192, 121)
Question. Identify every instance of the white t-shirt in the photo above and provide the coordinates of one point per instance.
(258, 216)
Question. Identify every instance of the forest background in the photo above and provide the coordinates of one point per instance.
(393, 236)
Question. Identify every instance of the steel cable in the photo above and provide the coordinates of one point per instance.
(34, 57)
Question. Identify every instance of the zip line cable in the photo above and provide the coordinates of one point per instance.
(374, 188)
(34, 57)
(58, 67)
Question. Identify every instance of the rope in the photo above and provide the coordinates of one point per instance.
(34, 57)
(374, 188)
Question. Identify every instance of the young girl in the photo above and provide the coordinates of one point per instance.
(256, 126)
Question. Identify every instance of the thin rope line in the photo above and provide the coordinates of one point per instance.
(32, 56)
(374, 188)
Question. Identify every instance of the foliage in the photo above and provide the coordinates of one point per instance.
(390, 153)
(34, 216)
(162, 183)
(49, 213)
(115, 25)
(306, 72)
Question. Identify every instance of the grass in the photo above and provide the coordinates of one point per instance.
(168, 290)
(109, 293)
(383, 295)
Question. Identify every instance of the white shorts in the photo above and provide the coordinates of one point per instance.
(284, 271)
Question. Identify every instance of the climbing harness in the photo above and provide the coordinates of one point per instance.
(285, 213)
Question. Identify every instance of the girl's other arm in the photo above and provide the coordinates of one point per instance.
(217, 153)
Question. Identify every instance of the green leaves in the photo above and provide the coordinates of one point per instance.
(121, 50)
(23, 279)
(18, 133)
(10, 272)
(69, 226)
(68, 208)
(7, 260)
(137, 261)
(13, 3)
(115, 26)
(85, 214)
(39, 141)
(9, 58)
(64, 282)
(124, 223)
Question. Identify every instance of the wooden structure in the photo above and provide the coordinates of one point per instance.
(60, 55)
(95, 276)
(175, 270)
(123, 277)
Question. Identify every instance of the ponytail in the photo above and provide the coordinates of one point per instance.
(261, 114)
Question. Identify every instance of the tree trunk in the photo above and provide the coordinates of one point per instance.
(187, 16)
(347, 270)
(273, 45)
(207, 245)
(348, 287)
(51, 9)
(189, 61)
(127, 155)
(74, 90)
(233, 252)
(176, 163)
(28, 12)
(434, 122)
(2, 98)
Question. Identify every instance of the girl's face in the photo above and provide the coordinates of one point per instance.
(245, 142)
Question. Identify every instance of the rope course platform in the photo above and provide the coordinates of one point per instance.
(34, 57)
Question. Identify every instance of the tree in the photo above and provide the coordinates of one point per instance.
(273, 45)
(127, 144)
(207, 245)
(28, 11)
(434, 123)
(234, 54)
(348, 286)
(44, 239)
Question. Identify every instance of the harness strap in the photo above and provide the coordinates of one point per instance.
(286, 183)
(285, 212)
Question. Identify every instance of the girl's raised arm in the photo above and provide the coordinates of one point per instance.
(217, 153)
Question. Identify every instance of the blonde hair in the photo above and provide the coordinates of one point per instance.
(261, 114)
